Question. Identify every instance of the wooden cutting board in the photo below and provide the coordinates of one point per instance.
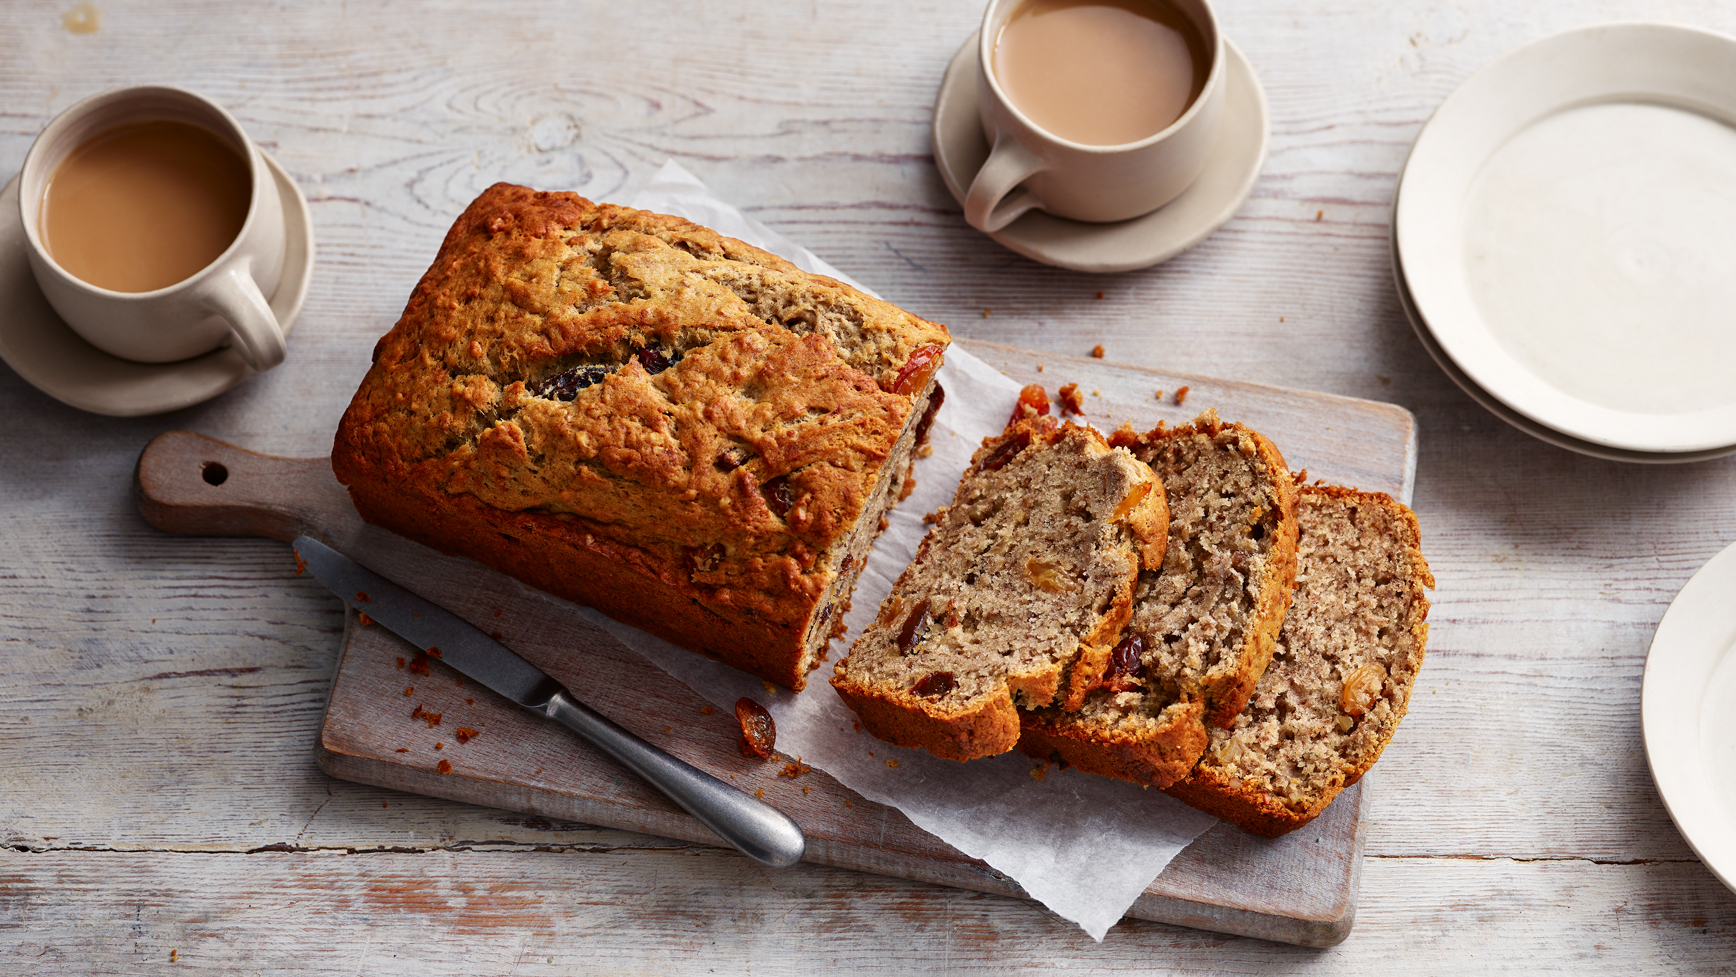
(393, 722)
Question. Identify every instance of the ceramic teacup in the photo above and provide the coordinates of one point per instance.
(1029, 167)
(222, 303)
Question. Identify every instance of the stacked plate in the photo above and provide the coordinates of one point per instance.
(1564, 241)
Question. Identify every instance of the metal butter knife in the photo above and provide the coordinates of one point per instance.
(755, 829)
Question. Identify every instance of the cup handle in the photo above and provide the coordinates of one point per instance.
(987, 206)
(234, 295)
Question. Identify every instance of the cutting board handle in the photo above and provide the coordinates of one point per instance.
(193, 484)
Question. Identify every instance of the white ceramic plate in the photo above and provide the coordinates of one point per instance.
(1688, 712)
(960, 148)
(1494, 406)
(1567, 223)
(57, 361)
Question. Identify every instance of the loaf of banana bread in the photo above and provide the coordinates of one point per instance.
(633, 412)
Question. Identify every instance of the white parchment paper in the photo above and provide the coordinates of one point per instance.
(1085, 846)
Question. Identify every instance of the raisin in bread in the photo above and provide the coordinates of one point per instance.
(634, 412)
(1341, 678)
(1016, 595)
(1203, 628)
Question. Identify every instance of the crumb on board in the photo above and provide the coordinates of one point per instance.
(440, 746)
(400, 661)
(444, 766)
(402, 749)
(794, 770)
(1159, 394)
(362, 618)
(1072, 401)
(432, 718)
(409, 690)
(465, 734)
(760, 793)
(1384, 381)
(892, 763)
(1097, 350)
(804, 788)
(847, 802)
(1181, 395)
(707, 710)
(1039, 367)
(986, 313)
(1319, 214)
(1099, 294)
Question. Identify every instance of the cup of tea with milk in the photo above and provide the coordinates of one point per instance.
(1095, 110)
(154, 227)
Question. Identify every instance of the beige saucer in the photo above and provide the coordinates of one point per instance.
(960, 150)
(57, 361)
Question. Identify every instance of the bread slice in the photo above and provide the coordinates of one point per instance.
(1341, 678)
(1016, 596)
(1204, 628)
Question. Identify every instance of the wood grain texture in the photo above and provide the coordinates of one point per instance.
(163, 693)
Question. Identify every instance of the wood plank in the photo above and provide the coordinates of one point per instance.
(1298, 889)
(619, 911)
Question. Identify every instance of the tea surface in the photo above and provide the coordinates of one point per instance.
(142, 206)
(1100, 72)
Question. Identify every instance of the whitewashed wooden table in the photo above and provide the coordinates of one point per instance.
(159, 802)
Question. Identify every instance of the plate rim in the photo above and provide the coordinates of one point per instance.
(1415, 230)
(1681, 657)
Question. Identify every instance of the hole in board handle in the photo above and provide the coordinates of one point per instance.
(214, 473)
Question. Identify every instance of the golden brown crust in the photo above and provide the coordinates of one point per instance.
(1154, 754)
(1217, 788)
(989, 727)
(682, 430)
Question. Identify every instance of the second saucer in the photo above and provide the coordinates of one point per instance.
(960, 150)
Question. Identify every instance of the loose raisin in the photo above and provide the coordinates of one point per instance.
(1126, 665)
(914, 626)
(935, 684)
(1033, 402)
(758, 733)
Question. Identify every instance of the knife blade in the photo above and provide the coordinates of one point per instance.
(752, 827)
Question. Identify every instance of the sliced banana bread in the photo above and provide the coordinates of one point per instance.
(1341, 678)
(1204, 627)
(1016, 596)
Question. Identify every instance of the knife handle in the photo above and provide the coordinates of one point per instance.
(754, 828)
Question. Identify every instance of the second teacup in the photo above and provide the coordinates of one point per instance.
(155, 228)
(1133, 135)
